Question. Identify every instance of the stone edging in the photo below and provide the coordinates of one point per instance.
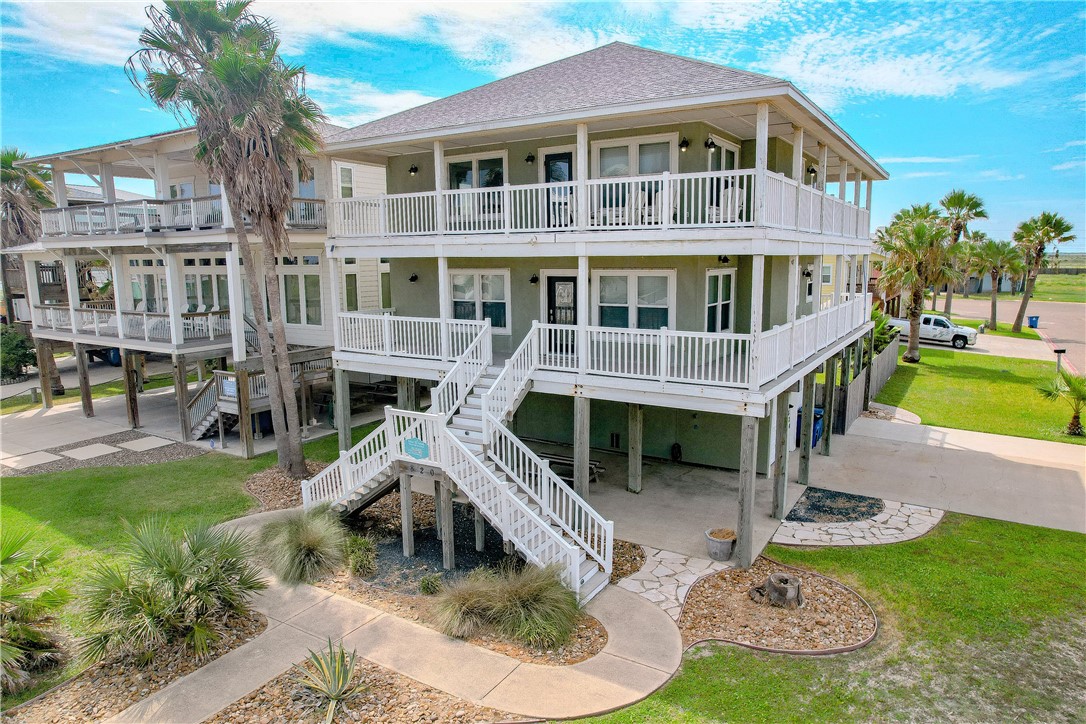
(797, 652)
(899, 522)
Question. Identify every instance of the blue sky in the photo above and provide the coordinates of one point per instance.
(986, 96)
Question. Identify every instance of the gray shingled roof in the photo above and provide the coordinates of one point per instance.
(612, 75)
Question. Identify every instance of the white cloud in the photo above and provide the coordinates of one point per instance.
(925, 159)
(1067, 146)
(349, 102)
(97, 33)
(1000, 175)
(923, 174)
(1070, 165)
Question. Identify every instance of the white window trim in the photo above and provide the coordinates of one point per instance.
(631, 291)
(729, 271)
(475, 158)
(631, 143)
(541, 153)
(479, 296)
(722, 143)
(300, 270)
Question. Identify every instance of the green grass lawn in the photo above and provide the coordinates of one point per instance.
(1004, 329)
(1057, 288)
(979, 621)
(971, 391)
(80, 512)
(22, 403)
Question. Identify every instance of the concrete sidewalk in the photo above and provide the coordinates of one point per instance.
(643, 650)
(994, 476)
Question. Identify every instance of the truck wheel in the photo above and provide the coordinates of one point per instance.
(114, 357)
(959, 342)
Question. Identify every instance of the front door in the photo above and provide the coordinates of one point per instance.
(561, 300)
(558, 168)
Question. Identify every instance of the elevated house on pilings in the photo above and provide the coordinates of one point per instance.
(620, 252)
(176, 284)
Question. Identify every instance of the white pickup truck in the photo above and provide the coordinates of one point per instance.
(936, 328)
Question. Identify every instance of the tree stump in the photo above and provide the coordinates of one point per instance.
(779, 589)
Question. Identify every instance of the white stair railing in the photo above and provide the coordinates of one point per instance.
(354, 468)
(459, 381)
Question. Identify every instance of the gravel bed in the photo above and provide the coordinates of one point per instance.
(389, 698)
(122, 458)
(276, 490)
(828, 506)
(626, 559)
(112, 686)
(719, 607)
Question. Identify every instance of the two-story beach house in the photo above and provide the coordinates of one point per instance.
(619, 252)
(163, 275)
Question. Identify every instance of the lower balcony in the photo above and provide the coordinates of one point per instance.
(101, 323)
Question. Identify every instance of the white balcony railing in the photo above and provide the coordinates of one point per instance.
(100, 320)
(413, 337)
(714, 199)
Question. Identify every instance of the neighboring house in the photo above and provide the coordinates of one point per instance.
(178, 283)
(619, 250)
(886, 300)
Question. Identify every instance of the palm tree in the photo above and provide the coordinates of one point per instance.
(994, 258)
(218, 65)
(25, 192)
(969, 252)
(919, 213)
(1072, 389)
(916, 258)
(1034, 236)
(960, 209)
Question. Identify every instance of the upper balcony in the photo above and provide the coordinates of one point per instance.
(666, 201)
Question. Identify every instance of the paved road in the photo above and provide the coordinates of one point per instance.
(1063, 322)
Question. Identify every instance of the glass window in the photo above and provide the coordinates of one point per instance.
(460, 175)
(311, 260)
(292, 299)
(827, 274)
(482, 295)
(213, 189)
(222, 288)
(614, 161)
(640, 300)
(182, 190)
(346, 182)
(189, 262)
(719, 298)
(653, 157)
(192, 292)
(312, 299)
(614, 301)
(652, 312)
(491, 172)
(207, 290)
(351, 291)
(463, 288)
(493, 293)
(306, 189)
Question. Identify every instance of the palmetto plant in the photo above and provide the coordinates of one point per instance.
(26, 610)
(960, 209)
(995, 258)
(329, 677)
(168, 589)
(1072, 389)
(1034, 236)
(218, 65)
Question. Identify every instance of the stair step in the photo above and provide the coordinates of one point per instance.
(596, 583)
(588, 568)
(462, 422)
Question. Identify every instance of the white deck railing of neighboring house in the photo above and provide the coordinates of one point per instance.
(148, 215)
(712, 199)
(101, 320)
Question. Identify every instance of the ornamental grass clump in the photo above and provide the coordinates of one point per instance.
(361, 553)
(529, 605)
(329, 677)
(303, 546)
(168, 588)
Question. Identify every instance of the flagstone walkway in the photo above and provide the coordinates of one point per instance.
(898, 522)
(643, 650)
(666, 577)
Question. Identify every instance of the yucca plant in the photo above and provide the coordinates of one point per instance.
(302, 546)
(330, 677)
(26, 610)
(1072, 389)
(168, 588)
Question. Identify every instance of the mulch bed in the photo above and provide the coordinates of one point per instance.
(123, 458)
(626, 559)
(112, 686)
(829, 506)
(389, 698)
(719, 607)
(276, 490)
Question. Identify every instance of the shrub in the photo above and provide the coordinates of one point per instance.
(431, 584)
(16, 353)
(361, 553)
(26, 611)
(304, 545)
(330, 678)
(529, 605)
(169, 588)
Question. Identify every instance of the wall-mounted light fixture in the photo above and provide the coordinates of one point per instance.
(711, 145)
(413, 278)
(723, 259)
(530, 158)
(812, 171)
(413, 170)
(534, 279)
(808, 272)
(684, 144)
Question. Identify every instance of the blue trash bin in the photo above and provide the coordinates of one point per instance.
(1033, 321)
(817, 428)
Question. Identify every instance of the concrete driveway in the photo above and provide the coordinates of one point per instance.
(993, 476)
(1064, 323)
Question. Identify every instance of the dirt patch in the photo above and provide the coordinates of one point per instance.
(278, 491)
(719, 607)
(389, 698)
(112, 686)
(626, 559)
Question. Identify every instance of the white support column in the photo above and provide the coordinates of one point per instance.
(175, 293)
(444, 303)
(580, 172)
(867, 204)
(335, 285)
(122, 290)
(842, 183)
(71, 275)
(857, 182)
(761, 161)
(797, 167)
(439, 185)
(236, 300)
(162, 176)
(60, 188)
(757, 287)
(866, 281)
(109, 190)
(582, 312)
(823, 165)
(33, 291)
(838, 278)
(227, 214)
(793, 287)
